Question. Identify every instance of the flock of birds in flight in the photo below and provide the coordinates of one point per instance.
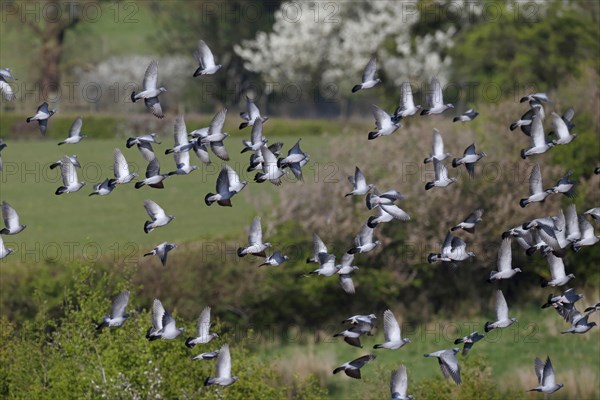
(552, 235)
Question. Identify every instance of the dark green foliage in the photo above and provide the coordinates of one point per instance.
(534, 51)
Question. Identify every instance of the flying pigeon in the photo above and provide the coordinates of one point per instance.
(364, 242)
(228, 185)
(368, 76)
(149, 138)
(318, 247)
(385, 124)
(448, 363)
(153, 176)
(375, 199)
(163, 324)
(5, 88)
(180, 137)
(271, 171)
(536, 189)
(151, 92)
(539, 144)
(207, 356)
(12, 226)
(206, 60)
(469, 341)
(557, 272)
(536, 97)
(75, 135)
(41, 116)
(561, 130)
(437, 151)
(359, 184)
(564, 186)
(105, 187)
(223, 377)
(470, 157)
(157, 214)
(502, 319)
(275, 259)
(117, 316)
(251, 115)
(203, 325)
(504, 263)
(399, 384)
(69, 178)
(435, 99)
(467, 116)
(545, 376)
(121, 168)
(441, 176)
(406, 105)
(161, 252)
(469, 223)
(255, 244)
(352, 368)
(391, 330)
(4, 251)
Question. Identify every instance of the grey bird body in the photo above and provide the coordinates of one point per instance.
(158, 216)
(545, 376)
(557, 272)
(359, 184)
(151, 91)
(318, 247)
(437, 150)
(255, 241)
(441, 176)
(368, 76)
(392, 333)
(467, 116)
(538, 139)
(504, 263)
(364, 242)
(205, 59)
(448, 363)
(203, 334)
(69, 177)
(4, 251)
(223, 377)
(502, 318)
(469, 341)
(105, 187)
(435, 99)
(163, 324)
(251, 115)
(41, 116)
(228, 185)
(536, 189)
(352, 368)
(12, 225)
(406, 106)
(469, 223)
(161, 252)
(75, 135)
(399, 384)
(469, 158)
(385, 124)
(117, 316)
(121, 168)
(275, 259)
(154, 178)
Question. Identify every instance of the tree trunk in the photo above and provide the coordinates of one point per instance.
(51, 54)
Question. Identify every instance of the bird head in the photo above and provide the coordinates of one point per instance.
(268, 244)
(162, 89)
(471, 254)
(373, 316)
(571, 276)
(518, 269)
(450, 105)
(513, 320)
